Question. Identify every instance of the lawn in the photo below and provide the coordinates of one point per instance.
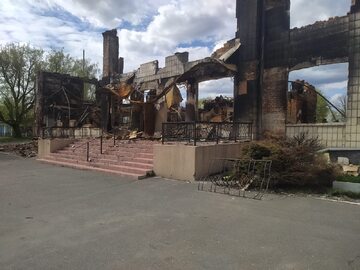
(6, 140)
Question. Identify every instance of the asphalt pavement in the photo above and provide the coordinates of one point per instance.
(59, 218)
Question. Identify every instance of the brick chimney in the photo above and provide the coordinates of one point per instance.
(110, 54)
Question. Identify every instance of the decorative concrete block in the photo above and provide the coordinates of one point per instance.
(347, 186)
(343, 161)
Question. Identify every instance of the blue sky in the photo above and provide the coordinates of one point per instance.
(150, 30)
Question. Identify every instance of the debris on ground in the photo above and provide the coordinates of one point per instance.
(351, 169)
(27, 150)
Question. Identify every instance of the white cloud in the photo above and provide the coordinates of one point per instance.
(330, 79)
(108, 14)
(177, 24)
(224, 87)
(336, 98)
(304, 12)
(25, 25)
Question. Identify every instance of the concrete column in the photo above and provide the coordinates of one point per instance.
(352, 131)
(275, 67)
(121, 65)
(247, 106)
(247, 81)
(110, 53)
(191, 102)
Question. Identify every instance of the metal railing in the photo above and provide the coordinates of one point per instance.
(194, 132)
(79, 133)
(101, 145)
(236, 177)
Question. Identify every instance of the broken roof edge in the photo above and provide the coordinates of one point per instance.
(224, 57)
(230, 70)
(67, 75)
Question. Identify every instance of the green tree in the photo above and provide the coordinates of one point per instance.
(61, 62)
(340, 103)
(19, 65)
(322, 109)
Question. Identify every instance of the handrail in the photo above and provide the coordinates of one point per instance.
(88, 141)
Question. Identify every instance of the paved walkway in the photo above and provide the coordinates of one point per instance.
(59, 218)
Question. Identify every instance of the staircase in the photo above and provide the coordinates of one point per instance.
(129, 158)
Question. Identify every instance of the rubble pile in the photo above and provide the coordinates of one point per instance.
(27, 150)
(347, 168)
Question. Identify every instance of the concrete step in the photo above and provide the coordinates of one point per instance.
(139, 165)
(111, 143)
(102, 164)
(134, 159)
(85, 167)
(117, 155)
(128, 163)
(122, 168)
(144, 160)
(110, 148)
(69, 156)
(137, 154)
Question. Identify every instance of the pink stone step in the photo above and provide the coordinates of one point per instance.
(108, 151)
(68, 156)
(132, 159)
(122, 168)
(138, 165)
(84, 167)
(147, 163)
(144, 160)
(99, 164)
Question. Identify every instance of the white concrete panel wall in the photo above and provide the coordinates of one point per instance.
(331, 135)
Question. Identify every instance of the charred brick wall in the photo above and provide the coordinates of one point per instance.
(248, 13)
(246, 87)
(270, 49)
(54, 94)
(324, 42)
(277, 25)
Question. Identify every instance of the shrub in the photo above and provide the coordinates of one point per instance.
(295, 161)
(340, 193)
(348, 178)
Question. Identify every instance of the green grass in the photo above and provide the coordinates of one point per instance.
(6, 140)
(348, 178)
(340, 193)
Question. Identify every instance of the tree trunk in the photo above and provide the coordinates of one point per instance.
(16, 131)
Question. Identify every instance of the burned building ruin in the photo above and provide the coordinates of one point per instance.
(259, 58)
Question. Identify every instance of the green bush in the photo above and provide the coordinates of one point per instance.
(348, 178)
(295, 161)
(340, 193)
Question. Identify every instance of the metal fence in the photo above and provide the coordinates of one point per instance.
(194, 132)
(236, 177)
